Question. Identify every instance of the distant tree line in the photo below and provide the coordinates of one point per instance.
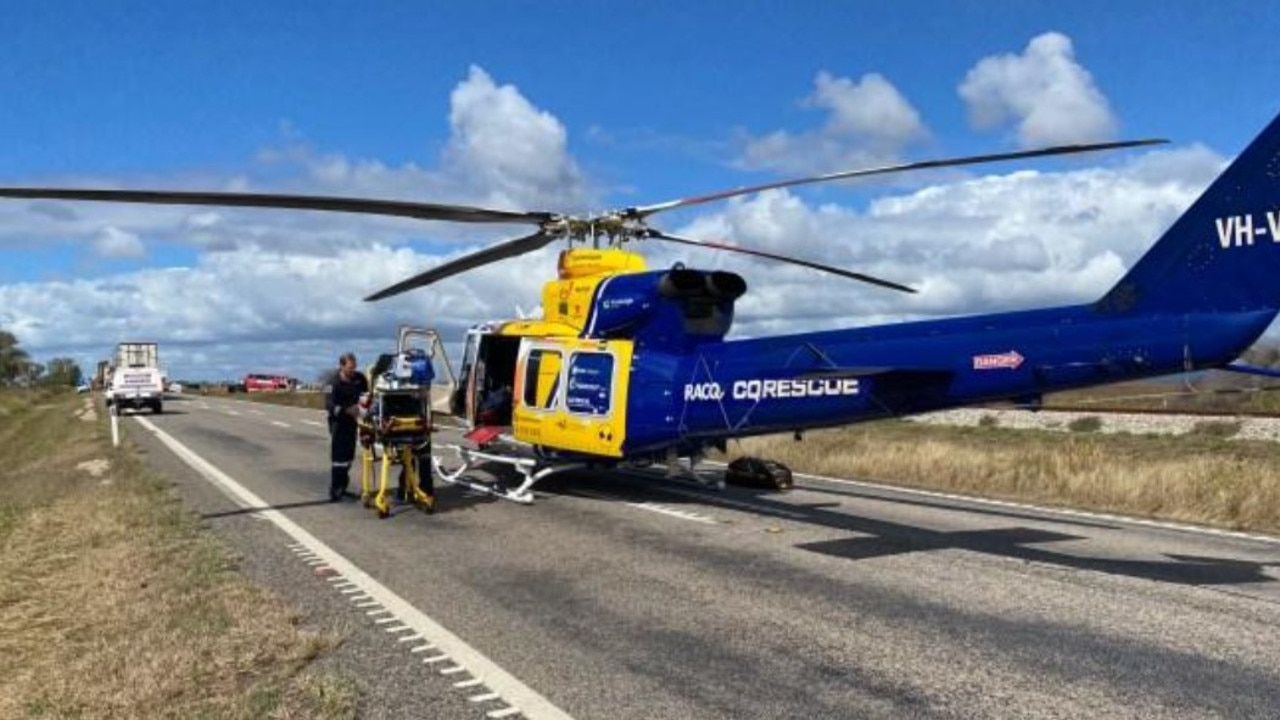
(17, 367)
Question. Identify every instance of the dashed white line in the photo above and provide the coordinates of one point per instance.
(522, 698)
(484, 697)
(468, 683)
(504, 712)
(316, 423)
(435, 659)
(652, 507)
(278, 423)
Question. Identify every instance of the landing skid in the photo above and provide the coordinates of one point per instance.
(531, 470)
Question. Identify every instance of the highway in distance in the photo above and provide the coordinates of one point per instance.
(623, 596)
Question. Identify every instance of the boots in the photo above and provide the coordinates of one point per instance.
(338, 482)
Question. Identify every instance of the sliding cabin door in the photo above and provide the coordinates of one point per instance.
(571, 394)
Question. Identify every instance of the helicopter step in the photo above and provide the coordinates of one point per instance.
(531, 471)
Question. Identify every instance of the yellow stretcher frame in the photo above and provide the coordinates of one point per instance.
(402, 439)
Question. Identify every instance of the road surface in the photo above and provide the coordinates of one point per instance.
(623, 596)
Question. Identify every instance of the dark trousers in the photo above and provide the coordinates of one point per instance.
(342, 450)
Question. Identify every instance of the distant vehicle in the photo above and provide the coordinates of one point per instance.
(83, 387)
(137, 381)
(260, 383)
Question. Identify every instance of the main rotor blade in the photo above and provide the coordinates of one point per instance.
(659, 235)
(418, 210)
(493, 253)
(647, 210)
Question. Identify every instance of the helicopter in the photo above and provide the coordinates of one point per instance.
(631, 366)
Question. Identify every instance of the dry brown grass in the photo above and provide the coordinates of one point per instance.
(1200, 478)
(113, 603)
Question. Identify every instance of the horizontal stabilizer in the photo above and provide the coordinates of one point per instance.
(1251, 370)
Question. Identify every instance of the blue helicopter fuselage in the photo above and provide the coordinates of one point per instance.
(745, 387)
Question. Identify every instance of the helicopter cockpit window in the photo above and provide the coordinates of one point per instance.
(541, 379)
(590, 389)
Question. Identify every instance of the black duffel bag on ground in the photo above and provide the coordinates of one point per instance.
(757, 473)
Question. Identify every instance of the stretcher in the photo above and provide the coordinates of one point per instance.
(395, 423)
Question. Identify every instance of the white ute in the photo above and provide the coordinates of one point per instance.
(137, 381)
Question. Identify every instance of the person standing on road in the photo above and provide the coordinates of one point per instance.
(343, 405)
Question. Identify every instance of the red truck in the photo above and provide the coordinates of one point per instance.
(255, 382)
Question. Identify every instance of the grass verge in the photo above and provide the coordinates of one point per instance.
(1201, 478)
(114, 603)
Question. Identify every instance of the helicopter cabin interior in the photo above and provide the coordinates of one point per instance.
(485, 394)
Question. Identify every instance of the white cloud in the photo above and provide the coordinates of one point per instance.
(510, 152)
(981, 244)
(281, 291)
(868, 123)
(113, 242)
(1044, 93)
(263, 279)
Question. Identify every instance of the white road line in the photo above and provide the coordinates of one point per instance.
(532, 704)
(467, 683)
(277, 423)
(229, 412)
(435, 659)
(484, 697)
(408, 638)
(421, 648)
(452, 670)
(651, 507)
(313, 422)
(504, 712)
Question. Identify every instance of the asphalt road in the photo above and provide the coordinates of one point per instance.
(618, 596)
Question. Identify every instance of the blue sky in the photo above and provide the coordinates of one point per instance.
(623, 103)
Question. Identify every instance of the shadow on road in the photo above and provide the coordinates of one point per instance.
(892, 538)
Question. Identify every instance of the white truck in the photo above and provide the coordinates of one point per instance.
(136, 380)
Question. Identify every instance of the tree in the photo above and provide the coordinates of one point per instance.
(62, 372)
(14, 361)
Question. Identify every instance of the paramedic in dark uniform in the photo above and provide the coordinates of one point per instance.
(344, 408)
